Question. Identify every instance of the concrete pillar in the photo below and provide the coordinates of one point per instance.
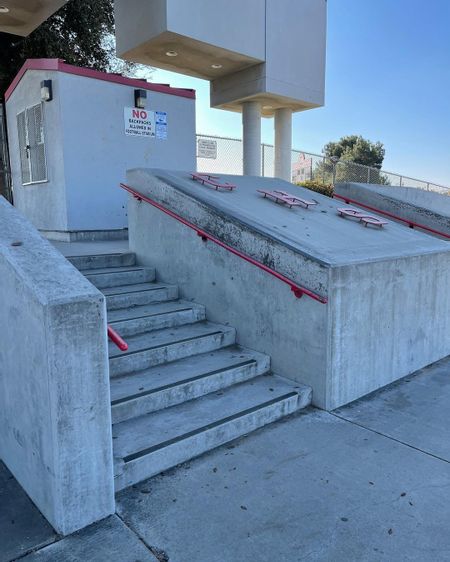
(283, 143)
(251, 125)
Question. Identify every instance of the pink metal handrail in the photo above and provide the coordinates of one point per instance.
(411, 224)
(116, 339)
(298, 290)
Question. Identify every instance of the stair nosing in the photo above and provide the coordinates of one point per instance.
(160, 287)
(143, 350)
(149, 450)
(151, 315)
(132, 397)
(93, 271)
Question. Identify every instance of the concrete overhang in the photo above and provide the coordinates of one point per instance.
(269, 51)
(193, 57)
(21, 17)
(269, 103)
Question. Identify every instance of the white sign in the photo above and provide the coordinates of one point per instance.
(207, 148)
(139, 122)
(161, 125)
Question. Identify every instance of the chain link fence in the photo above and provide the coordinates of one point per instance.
(224, 155)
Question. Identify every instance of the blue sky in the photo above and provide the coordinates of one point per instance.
(388, 79)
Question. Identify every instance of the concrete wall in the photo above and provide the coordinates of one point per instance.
(54, 379)
(417, 205)
(229, 24)
(387, 319)
(44, 204)
(266, 314)
(294, 67)
(388, 311)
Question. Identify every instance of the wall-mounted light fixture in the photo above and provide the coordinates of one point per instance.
(46, 90)
(140, 98)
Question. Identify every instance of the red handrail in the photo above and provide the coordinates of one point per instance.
(115, 338)
(411, 224)
(296, 289)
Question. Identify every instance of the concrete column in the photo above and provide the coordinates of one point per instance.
(283, 143)
(251, 125)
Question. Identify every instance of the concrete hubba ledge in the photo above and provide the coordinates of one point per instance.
(54, 379)
(426, 208)
(388, 311)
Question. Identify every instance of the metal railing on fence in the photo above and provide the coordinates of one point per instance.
(224, 155)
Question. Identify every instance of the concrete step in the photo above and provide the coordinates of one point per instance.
(117, 276)
(103, 260)
(161, 346)
(150, 444)
(138, 319)
(126, 296)
(166, 385)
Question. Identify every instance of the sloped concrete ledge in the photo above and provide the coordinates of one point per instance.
(54, 379)
(417, 205)
(388, 310)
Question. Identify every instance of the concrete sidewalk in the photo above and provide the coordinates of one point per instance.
(369, 482)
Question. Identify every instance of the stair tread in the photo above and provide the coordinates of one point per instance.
(107, 254)
(154, 378)
(136, 288)
(119, 269)
(167, 336)
(140, 435)
(132, 312)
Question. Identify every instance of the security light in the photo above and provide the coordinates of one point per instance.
(46, 90)
(140, 98)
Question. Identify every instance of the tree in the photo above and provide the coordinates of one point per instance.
(356, 149)
(81, 33)
(352, 159)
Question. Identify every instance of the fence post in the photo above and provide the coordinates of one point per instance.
(263, 152)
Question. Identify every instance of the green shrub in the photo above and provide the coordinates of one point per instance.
(319, 187)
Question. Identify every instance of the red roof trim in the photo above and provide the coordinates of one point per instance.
(60, 66)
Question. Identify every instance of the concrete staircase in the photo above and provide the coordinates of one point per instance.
(184, 386)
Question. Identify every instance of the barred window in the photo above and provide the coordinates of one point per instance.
(30, 128)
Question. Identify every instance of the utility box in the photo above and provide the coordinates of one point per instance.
(73, 132)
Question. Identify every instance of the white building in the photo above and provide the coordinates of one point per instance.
(69, 153)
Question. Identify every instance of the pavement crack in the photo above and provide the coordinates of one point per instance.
(437, 457)
(159, 554)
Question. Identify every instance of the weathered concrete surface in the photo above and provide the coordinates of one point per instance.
(416, 205)
(414, 411)
(107, 541)
(389, 306)
(313, 488)
(70, 249)
(22, 527)
(54, 384)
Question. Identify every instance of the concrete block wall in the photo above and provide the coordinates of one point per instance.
(54, 379)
